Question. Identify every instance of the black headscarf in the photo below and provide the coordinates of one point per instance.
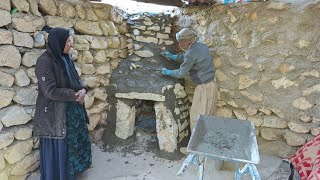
(56, 42)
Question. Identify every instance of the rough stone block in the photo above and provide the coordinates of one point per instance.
(9, 56)
(99, 43)
(29, 59)
(17, 151)
(14, 115)
(88, 27)
(167, 128)
(54, 21)
(125, 120)
(6, 138)
(6, 36)
(21, 78)
(5, 5)
(88, 69)
(27, 22)
(6, 80)
(298, 128)
(294, 139)
(271, 134)
(21, 5)
(23, 133)
(6, 97)
(34, 8)
(5, 18)
(48, 7)
(22, 39)
(66, 10)
(30, 163)
(26, 96)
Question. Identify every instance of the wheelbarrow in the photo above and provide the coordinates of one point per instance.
(224, 139)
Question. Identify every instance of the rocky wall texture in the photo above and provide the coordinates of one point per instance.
(99, 46)
(267, 61)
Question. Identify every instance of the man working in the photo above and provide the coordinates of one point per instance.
(198, 63)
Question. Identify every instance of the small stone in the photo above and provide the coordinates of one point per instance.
(21, 5)
(99, 43)
(32, 75)
(98, 108)
(6, 36)
(136, 32)
(251, 111)
(22, 39)
(113, 42)
(144, 53)
(80, 11)
(34, 8)
(27, 22)
(108, 28)
(88, 69)
(6, 80)
(265, 111)
(298, 128)
(5, 18)
(100, 93)
(92, 82)
(305, 118)
(125, 120)
(21, 78)
(245, 82)
(233, 104)
(282, 82)
(23, 133)
(274, 122)
(315, 131)
(55, 21)
(100, 57)
(30, 163)
(162, 36)
(240, 114)
(48, 7)
(9, 56)
(30, 58)
(5, 5)
(66, 10)
(308, 91)
(147, 39)
(154, 28)
(312, 73)
(301, 103)
(168, 43)
(271, 134)
(86, 57)
(256, 120)
(94, 120)
(14, 115)
(88, 101)
(224, 112)
(17, 151)
(26, 96)
(252, 97)
(6, 138)
(294, 139)
(104, 69)
(88, 27)
(6, 97)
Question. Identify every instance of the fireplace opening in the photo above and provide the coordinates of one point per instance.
(145, 116)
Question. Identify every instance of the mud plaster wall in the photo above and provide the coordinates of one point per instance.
(99, 45)
(267, 59)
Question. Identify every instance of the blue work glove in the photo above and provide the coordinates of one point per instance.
(165, 71)
(169, 55)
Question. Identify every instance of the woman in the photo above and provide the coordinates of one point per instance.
(60, 119)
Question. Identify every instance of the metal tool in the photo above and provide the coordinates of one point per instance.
(223, 139)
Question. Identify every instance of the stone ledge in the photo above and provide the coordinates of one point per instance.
(144, 96)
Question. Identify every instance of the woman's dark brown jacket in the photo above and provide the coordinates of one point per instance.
(50, 114)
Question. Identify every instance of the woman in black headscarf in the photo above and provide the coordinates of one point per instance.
(60, 119)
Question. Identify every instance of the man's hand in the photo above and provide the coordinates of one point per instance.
(165, 71)
(169, 55)
(80, 96)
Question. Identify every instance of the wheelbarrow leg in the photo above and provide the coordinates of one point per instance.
(251, 168)
(202, 163)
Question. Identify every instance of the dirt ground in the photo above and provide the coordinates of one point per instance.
(137, 161)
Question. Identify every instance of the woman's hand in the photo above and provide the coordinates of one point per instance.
(80, 96)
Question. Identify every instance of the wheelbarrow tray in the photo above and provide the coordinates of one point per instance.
(225, 139)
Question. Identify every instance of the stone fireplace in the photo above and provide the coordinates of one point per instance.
(137, 79)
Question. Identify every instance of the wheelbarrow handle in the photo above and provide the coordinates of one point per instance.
(185, 164)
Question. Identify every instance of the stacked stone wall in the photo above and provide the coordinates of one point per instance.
(267, 63)
(99, 45)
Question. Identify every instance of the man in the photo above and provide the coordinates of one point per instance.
(198, 63)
